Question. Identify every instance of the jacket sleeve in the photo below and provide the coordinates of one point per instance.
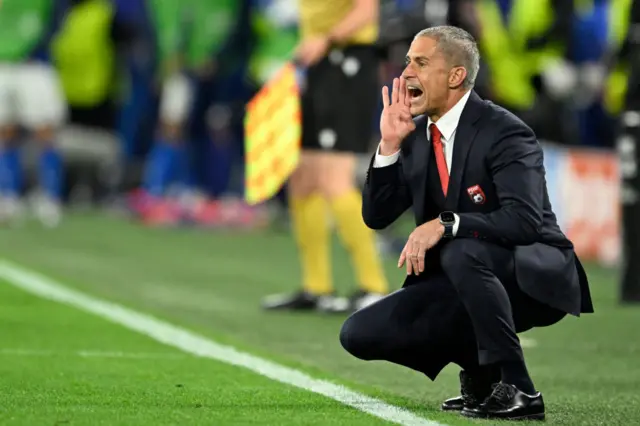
(516, 165)
(385, 196)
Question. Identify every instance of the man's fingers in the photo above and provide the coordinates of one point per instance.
(421, 254)
(415, 246)
(395, 94)
(407, 98)
(403, 91)
(406, 255)
(415, 265)
(403, 254)
(385, 96)
(401, 260)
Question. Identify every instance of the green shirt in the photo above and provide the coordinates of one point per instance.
(194, 29)
(22, 26)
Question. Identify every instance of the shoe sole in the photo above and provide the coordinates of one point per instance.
(536, 416)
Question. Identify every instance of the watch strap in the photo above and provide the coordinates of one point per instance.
(448, 230)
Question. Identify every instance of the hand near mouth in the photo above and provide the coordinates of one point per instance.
(396, 121)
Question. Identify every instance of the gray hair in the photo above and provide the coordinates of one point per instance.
(459, 48)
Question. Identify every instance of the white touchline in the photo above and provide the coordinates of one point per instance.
(92, 354)
(132, 355)
(190, 342)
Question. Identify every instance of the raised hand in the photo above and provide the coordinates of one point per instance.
(395, 122)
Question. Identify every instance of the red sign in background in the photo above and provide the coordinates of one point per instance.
(590, 200)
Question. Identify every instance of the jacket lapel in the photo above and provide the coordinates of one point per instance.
(419, 166)
(465, 133)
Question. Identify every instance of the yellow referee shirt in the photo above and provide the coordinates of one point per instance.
(318, 17)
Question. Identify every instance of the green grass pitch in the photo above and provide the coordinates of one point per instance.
(62, 366)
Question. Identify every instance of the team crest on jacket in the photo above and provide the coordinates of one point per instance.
(476, 194)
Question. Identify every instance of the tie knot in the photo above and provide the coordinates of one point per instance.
(436, 136)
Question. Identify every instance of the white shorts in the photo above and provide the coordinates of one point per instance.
(31, 96)
(176, 100)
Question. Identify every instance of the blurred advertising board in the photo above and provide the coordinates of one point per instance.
(584, 189)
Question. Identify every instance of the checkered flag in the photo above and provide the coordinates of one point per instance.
(273, 130)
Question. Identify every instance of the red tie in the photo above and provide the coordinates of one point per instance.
(436, 140)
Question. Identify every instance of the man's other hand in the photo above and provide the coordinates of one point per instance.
(423, 238)
(396, 121)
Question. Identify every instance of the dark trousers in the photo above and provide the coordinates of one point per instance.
(468, 314)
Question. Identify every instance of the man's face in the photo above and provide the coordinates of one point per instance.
(427, 77)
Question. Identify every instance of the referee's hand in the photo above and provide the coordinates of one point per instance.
(396, 121)
(311, 50)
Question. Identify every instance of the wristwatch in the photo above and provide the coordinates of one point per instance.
(447, 219)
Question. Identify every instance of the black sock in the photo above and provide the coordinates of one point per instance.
(487, 373)
(515, 373)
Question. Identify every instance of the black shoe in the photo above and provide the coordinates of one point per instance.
(507, 402)
(304, 301)
(453, 404)
(473, 392)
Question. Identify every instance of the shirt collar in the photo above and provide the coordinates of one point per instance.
(448, 123)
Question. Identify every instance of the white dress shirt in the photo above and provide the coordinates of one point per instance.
(447, 124)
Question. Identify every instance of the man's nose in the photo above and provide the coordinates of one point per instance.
(408, 76)
(408, 72)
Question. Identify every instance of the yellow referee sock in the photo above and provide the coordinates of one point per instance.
(359, 241)
(309, 217)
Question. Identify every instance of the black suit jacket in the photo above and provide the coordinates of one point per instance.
(498, 152)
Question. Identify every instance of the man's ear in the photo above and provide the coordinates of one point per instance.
(457, 75)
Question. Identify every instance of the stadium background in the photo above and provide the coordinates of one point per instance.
(159, 259)
(582, 169)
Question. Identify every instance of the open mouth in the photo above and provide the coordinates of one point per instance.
(414, 92)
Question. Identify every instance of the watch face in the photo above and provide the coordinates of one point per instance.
(447, 217)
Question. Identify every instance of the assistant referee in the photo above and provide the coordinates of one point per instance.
(338, 106)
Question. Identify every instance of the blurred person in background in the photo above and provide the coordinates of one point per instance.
(590, 41)
(89, 51)
(31, 98)
(337, 49)
(524, 44)
(190, 34)
(85, 52)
